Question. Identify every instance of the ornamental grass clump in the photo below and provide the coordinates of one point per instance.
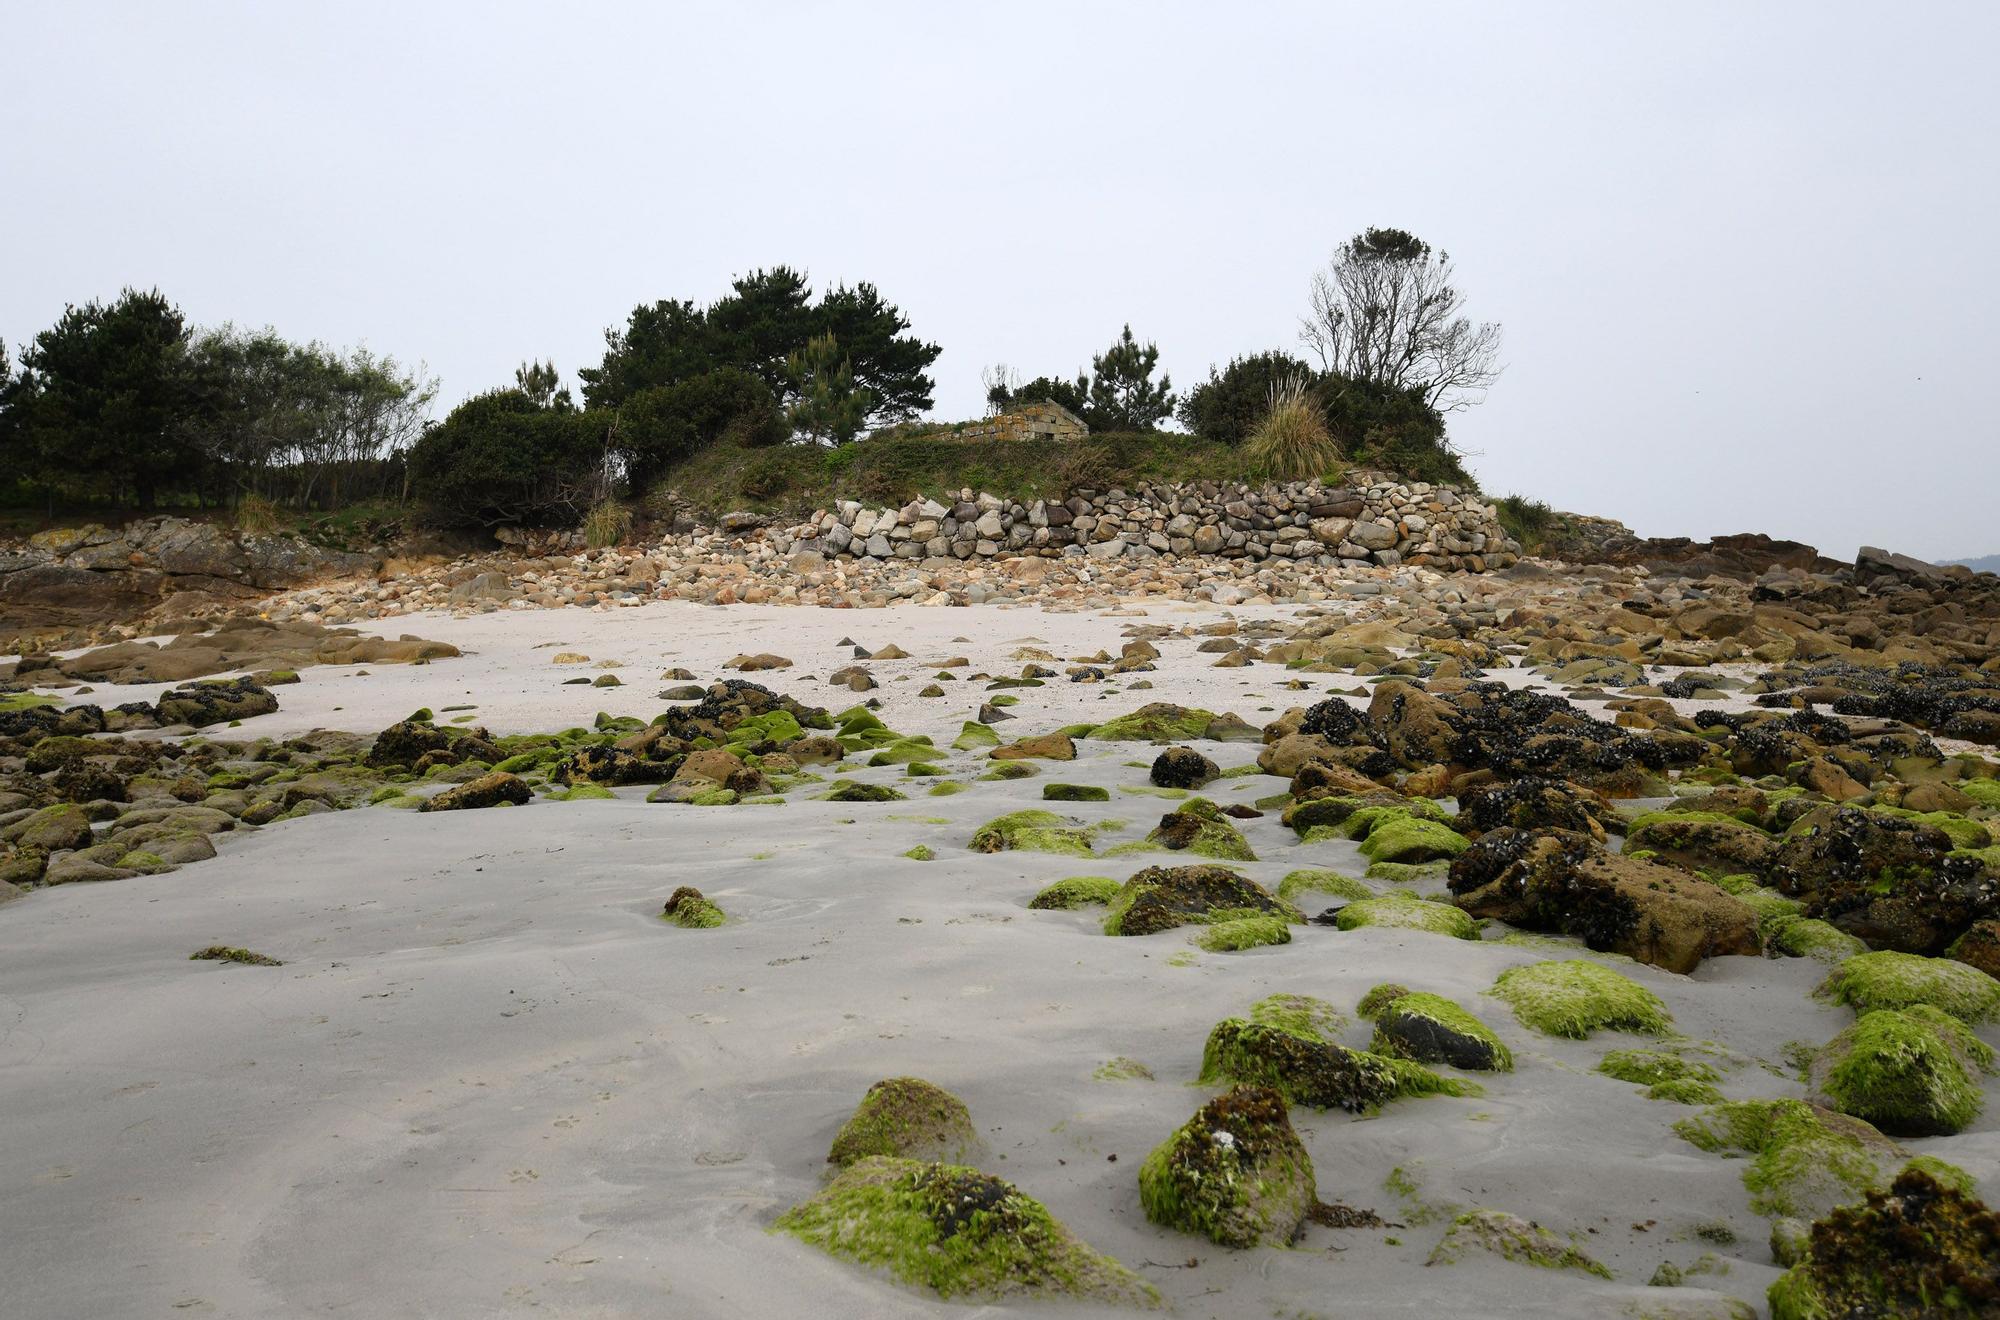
(1293, 443)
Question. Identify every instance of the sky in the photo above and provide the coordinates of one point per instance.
(1743, 253)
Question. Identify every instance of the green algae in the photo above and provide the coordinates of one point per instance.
(1408, 914)
(1298, 883)
(1075, 793)
(1402, 1018)
(1236, 1173)
(1412, 839)
(956, 1232)
(1033, 830)
(229, 953)
(1511, 1238)
(973, 736)
(1886, 979)
(1653, 1067)
(1804, 1160)
(1154, 723)
(687, 909)
(1240, 933)
(1575, 997)
(1313, 1071)
(1076, 891)
(1122, 1069)
(922, 853)
(1198, 826)
(847, 790)
(1011, 770)
(1301, 1015)
(1379, 998)
(909, 1118)
(1913, 1072)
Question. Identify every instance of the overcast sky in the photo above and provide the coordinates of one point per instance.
(1744, 253)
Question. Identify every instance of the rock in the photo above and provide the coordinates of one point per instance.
(1511, 1238)
(1890, 881)
(688, 909)
(762, 660)
(1198, 826)
(1048, 747)
(489, 790)
(909, 1118)
(1235, 1173)
(1429, 1028)
(1575, 997)
(1561, 881)
(1307, 1069)
(1900, 1254)
(51, 829)
(1532, 804)
(1182, 767)
(1162, 897)
(1911, 1073)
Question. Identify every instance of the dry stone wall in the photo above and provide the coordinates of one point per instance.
(1383, 522)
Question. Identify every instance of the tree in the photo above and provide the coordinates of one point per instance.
(665, 424)
(768, 317)
(500, 458)
(1385, 311)
(112, 397)
(540, 382)
(1123, 396)
(828, 406)
(1071, 394)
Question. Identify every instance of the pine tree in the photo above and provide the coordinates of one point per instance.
(1123, 396)
(829, 408)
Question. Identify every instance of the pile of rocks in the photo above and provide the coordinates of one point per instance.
(1384, 523)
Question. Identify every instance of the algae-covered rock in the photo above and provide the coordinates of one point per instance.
(1182, 767)
(847, 790)
(1159, 722)
(1240, 933)
(1699, 841)
(1920, 1249)
(1406, 838)
(687, 909)
(1887, 979)
(496, 789)
(1554, 880)
(1297, 884)
(1074, 892)
(1979, 946)
(227, 953)
(1162, 897)
(909, 1118)
(1312, 1070)
(1804, 1159)
(1911, 1073)
(1575, 997)
(1429, 1028)
(1302, 1015)
(1198, 826)
(1379, 998)
(1406, 913)
(1235, 1173)
(1532, 803)
(1033, 830)
(958, 1232)
(1512, 1238)
(1045, 747)
(1075, 793)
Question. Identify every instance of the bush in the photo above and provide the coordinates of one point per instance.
(1230, 404)
(607, 523)
(1292, 443)
(499, 458)
(1525, 519)
(666, 424)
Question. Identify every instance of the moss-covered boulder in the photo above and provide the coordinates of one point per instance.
(1555, 880)
(1075, 793)
(1920, 1248)
(1532, 803)
(1665, 1075)
(1911, 1073)
(957, 1232)
(1575, 997)
(1235, 1173)
(1074, 892)
(1033, 830)
(1699, 841)
(687, 909)
(1240, 933)
(1429, 1028)
(1044, 747)
(909, 1118)
(1893, 882)
(1162, 897)
(1406, 838)
(1497, 1233)
(1887, 979)
(1405, 913)
(495, 789)
(1159, 722)
(1198, 826)
(1182, 767)
(1312, 1070)
(1979, 946)
(51, 829)
(1803, 1159)
(1298, 885)
(1302, 1015)
(848, 790)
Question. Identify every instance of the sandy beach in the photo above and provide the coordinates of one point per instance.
(489, 1080)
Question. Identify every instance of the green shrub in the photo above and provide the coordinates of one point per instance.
(1292, 443)
(1232, 403)
(607, 523)
(1525, 519)
(498, 458)
(665, 424)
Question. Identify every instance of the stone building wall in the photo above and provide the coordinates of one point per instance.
(1041, 420)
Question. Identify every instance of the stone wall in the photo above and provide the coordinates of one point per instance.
(1040, 420)
(1381, 522)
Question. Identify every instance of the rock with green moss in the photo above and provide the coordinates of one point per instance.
(229, 953)
(1011, 770)
(957, 1232)
(1410, 839)
(1240, 933)
(1412, 874)
(1575, 997)
(1887, 979)
(1074, 892)
(1510, 1237)
(1379, 998)
(1297, 884)
(497, 789)
(1804, 1159)
(1686, 1091)
(1311, 1070)
(1236, 1173)
(1122, 1069)
(687, 909)
(847, 790)
(1033, 830)
(1797, 936)
(1198, 826)
(1075, 793)
(909, 1118)
(1158, 722)
(1700, 841)
(923, 852)
(1427, 1028)
(1403, 913)
(1655, 1068)
(1162, 897)
(1302, 1015)
(1919, 1248)
(1912, 1073)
